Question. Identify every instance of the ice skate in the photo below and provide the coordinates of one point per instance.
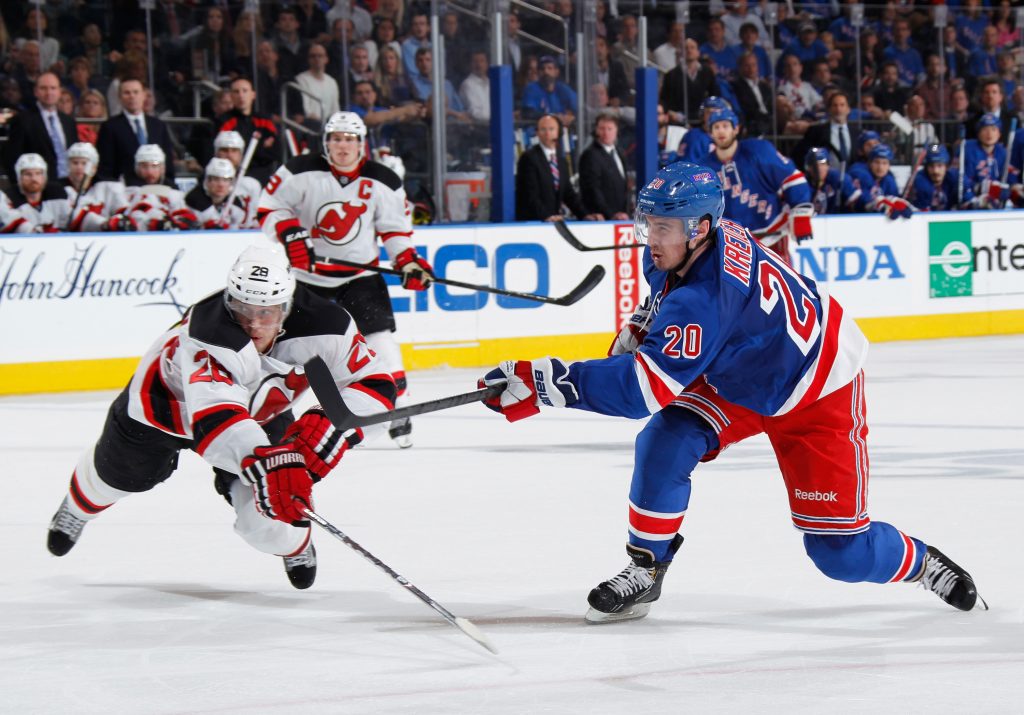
(65, 529)
(949, 581)
(629, 595)
(301, 568)
(401, 432)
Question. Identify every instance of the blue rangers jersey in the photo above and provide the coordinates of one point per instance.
(926, 196)
(695, 146)
(837, 194)
(979, 165)
(872, 189)
(763, 336)
(757, 183)
(1017, 156)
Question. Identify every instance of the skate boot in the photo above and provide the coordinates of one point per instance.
(630, 594)
(301, 568)
(65, 528)
(401, 432)
(949, 581)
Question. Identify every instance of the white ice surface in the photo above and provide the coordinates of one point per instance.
(162, 609)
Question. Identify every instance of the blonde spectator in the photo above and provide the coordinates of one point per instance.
(91, 105)
(242, 37)
(384, 34)
(389, 77)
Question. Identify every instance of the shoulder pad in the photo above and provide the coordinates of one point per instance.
(211, 323)
(307, 162)
(374, 170)
(197, 198)
(54, 190)
(312, 315)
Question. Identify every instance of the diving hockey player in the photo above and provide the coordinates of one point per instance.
(222, 382)
(336, 205)
(736, 344)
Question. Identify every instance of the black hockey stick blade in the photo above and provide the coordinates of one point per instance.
(576, 243)
(326, 390)
(464, 625)
(588, 283)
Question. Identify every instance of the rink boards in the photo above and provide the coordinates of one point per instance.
(78, 310)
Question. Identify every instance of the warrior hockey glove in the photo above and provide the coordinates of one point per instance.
(800, 222)
(417, 274)
(528, 385)
(299, 245)
(276, 475)
(631, 335)
(319, 443)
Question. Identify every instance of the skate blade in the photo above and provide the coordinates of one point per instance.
(639, 610)
(404, 441)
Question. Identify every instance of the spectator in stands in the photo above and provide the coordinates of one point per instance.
(924, 131)
(42, 129)
(27, 68)
(458, 44)
(822, 78)
(723, 55)
(970, 24)
(959, 115)
(91, 105)
(626, 48)
(171, 20)
(983, 60)
(312, 21)
(870, 59)
(957, 57)
(244, 119)
(529, 72)
(10, 96)
(335, 48)
(79, 76)
(844, 34)
(683, 106)
(543, 183)
(1005, 21)
(318, 85)
(122, 135)
(807, 47)
(423, 89)
(66, 103)
(750, 41)
(549, 95)
(786, 119)
(389, 78)
(211, 47)
(36, 26)
(130, 66)
(290, 45)
(867, 110)
(379, 118)
(754, 95)
(805, 99)
(737, 16)
(513, 45)
(1008, 72)
(933, 89)
(242, 39)
(476, 89)
(597, 101)
(833, 134)
(907, 59)
(603, 191)
(202, 137)
(385, 34)
(672, 53)
(362, 23)
(269, 79)
(990, 100)
(419, 37)
(890, 94)
(611, 74)
(359, 68)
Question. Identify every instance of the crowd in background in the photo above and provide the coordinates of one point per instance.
(78, 71)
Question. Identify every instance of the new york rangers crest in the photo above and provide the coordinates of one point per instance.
(339, 222)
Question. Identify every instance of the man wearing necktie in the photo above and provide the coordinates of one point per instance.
(122, 135)
(542, 178)
(603, 173)
(833, 134)
(42, 129)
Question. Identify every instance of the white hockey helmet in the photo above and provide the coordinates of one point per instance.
(85, 150)
(345, 123)
(228, 140)
(150, 154)
(260, 277)
(220, 168)
(29, 161)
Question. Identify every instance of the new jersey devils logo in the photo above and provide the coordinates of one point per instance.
(275, 395)
(339, 222)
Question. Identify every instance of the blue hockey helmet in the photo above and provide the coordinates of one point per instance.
(723, 115)
(988, 120)
(681, 190)
(816, 155)
(882, 151)
(936, 154)
(715, 103)
(867, 136)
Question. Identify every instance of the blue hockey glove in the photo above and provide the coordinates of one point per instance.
(528, 385)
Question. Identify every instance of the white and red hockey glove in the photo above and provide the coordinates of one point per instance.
(800, 222)
(121, 222)
(299, 246)
(528, 385)
(894, 207)
(183, 220)
(631, 335)
(278, 477)
(417, 274)
(319, 442)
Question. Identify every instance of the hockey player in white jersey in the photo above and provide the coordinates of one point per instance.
(336, 205)
(221, 383)
(230, 145)
(152, 205)
(11, 220)
(41, 205)
(212, 200)
(92, 202)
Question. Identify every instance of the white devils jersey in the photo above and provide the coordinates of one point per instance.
(151, 205)
(344, 214)
(99, 202)
(12, 220)
(248, 194)
(211, 215)
(52, 213)
(204, 381)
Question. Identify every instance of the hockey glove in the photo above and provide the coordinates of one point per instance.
(320, 444)
(528, 385)
(278, 476)
(1017, 195)
(800, 222)
(299, 245)
(121, 222)
(631, 335)
(417, 274)
(993, 194)
(183, 220)
(894, 207)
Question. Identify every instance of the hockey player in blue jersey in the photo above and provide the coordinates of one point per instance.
(936, 187)
(731, 343)
(866, 141)
(878, 187)
(697, 142)
(764, 190)
(984, 159)
(832, 190)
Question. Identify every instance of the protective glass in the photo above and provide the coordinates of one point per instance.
(247, 314)
(664, 228)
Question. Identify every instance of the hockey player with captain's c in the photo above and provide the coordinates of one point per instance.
(222, 383)
(732, 344)
(335, 206)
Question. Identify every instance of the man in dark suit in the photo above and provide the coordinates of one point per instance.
(754, 95)
(990, 100)
(603, 173)
(542, 178)
(43, 130)
(834, 134)
(121, 135)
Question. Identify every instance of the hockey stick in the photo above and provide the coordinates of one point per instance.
(86, 183)
(225, 213)
(960, 173)
(464, 625)
(571, 239)
(588, 283)
(1009, 148)
(914, 173)
(326, 390)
